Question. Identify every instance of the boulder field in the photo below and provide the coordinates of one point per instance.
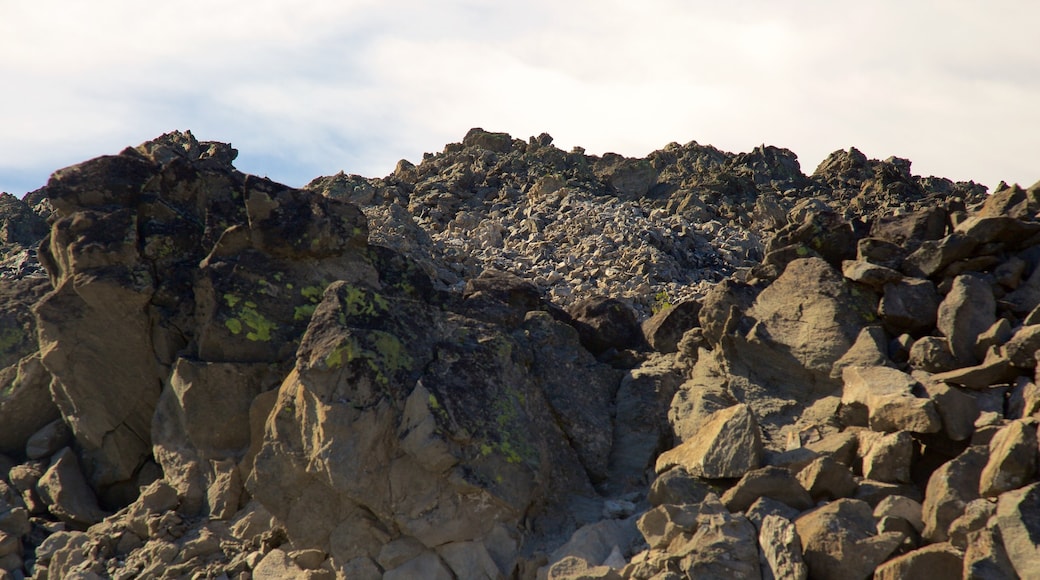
(511, 361)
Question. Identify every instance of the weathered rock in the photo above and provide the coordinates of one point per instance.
(976, 517)
(1012, 459)
(841, 446)
(886, 393)
(631, 178)
(985, 557)
(692, 405)
(1024, 400)
(724, 546)
(765, 506)
(604, 323)
(48, 440)
(278, 565)
(414, 417)
(641, 430)
(910, 305)
(1017, 518)
(594, 543)
(806, 320)
(874, 492)
(1013, 202)
(66, 492)
(957, 409)
(839, 541)
(781, 550)
(932, 354)
(935, 561)
(912, 228)
(574, 568)
(774, 482)
(950, 488)
(479, 138)
(967, 311)
(996, 369)
(664, 523)
(901, 507)
(471, 558)
(868, 274)
(825, 478)
(881, 252)
(664, 329)
(728, 444)
(202, 419)
(932, 256)
(890, 413)
(1022, 347)
(25, 403)
(497, 290)
(995, 336)
(869, 350)
(888, 458)
(820, 230)
(720, 304)
(677, 486)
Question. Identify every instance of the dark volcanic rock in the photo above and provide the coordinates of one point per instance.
(398, 377)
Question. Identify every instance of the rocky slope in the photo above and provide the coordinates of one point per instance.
(510, 361)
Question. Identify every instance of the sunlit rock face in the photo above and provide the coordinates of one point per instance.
(513, 361)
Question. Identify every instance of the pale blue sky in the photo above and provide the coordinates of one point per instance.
(310, 88)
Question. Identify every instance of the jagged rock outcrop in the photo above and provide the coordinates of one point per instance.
(453, 371)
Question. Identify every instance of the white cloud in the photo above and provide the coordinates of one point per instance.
(303, 89)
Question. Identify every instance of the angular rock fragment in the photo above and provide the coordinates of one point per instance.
(1019, 527)
(66, 493)
(781, 549)
(839, 540)
(909, 306)
(728, 444)
(950, 488)
(967, 311)
(664, 329)
(773, 482)
(935, 561)
(1012, 459)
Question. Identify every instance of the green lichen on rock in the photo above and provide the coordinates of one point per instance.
(260, 327)
(383, 354)
(234, 325)
(511, 441)
(312, 294)
(358, 301)
(303, 312)
(247, 315)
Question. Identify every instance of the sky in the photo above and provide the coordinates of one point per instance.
(314, 87)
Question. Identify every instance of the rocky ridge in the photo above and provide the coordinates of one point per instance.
(512, 361)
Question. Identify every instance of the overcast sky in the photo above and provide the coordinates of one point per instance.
(312, 87)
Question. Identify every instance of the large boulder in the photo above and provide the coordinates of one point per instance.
(457, 424)
(166, 251)
(968, 310)
(780, 355)
(840, 540)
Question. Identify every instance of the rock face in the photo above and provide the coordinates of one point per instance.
(509, 361)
